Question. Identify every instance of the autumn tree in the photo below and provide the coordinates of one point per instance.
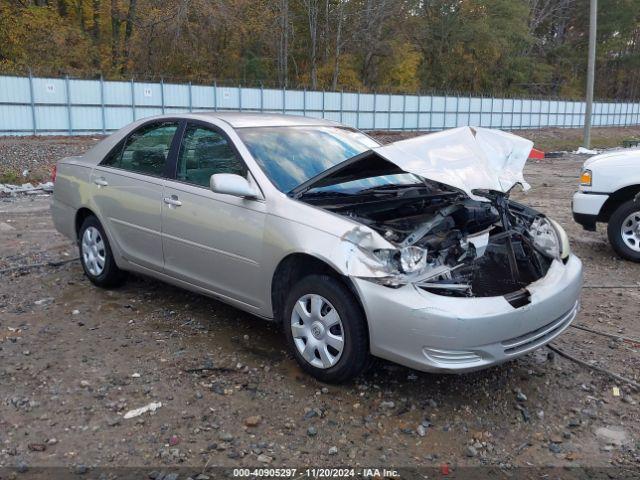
(520, 47)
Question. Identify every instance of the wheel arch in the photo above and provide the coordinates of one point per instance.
(294, 267)
(616, 199)
(81, 215)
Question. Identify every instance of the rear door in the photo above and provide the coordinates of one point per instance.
(128, 190)
(209, 239)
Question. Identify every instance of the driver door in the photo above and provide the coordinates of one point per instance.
(212, 240)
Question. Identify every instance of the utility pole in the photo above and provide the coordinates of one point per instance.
(591, 67)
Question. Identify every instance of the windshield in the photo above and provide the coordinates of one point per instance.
(290, 156)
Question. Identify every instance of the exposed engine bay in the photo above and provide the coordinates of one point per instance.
(449, 244)
(441, 202)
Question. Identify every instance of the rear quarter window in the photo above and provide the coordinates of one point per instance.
(145, 150)
(113, 157)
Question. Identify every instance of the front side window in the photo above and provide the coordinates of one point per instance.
(292, 155)
(146, 150)
(205, 152)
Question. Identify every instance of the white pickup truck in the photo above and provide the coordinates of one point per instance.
(610, 193)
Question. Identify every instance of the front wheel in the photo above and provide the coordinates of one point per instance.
(326, 329)
(624, 230)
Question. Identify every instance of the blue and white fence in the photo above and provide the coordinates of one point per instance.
(54, 106)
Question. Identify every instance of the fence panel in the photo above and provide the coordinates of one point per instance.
(63, 106)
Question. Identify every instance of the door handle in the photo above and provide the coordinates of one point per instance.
(101, 182)
(172, 201)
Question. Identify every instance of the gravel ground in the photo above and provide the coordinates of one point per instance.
(74, 359)
(36, 156)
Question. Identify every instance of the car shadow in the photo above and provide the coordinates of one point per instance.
(235, 331)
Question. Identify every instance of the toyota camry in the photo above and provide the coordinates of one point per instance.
(412, 251)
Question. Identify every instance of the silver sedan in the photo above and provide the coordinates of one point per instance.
(412, 251)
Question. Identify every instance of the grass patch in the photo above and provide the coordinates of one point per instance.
(569, 139)
(10, 177)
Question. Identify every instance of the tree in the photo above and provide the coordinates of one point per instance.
(283, 29)
(490, 46)
(312, 11)
(339, 43)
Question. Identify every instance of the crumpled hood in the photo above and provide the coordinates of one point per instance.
(466, 158)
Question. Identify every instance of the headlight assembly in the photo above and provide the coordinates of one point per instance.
(413, 259)
(408, 260)
(550, 238)
(565, 248)
(545, 237)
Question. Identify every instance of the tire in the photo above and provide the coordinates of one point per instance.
(627, 214)
(96, 255)
(319, 333)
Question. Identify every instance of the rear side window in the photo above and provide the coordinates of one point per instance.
(113, 158)
(205, 152)
(146, 150)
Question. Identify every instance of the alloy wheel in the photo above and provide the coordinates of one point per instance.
(630, 231)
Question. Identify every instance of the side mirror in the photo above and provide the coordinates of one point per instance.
(231, 184)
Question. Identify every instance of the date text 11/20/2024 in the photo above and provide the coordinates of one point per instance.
(315, 472)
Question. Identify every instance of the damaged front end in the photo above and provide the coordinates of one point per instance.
(448, 244)
(460, 238)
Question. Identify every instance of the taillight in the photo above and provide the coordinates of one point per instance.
(54, 171)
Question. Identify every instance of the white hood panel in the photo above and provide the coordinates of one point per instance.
(615, 158)
(466, 158)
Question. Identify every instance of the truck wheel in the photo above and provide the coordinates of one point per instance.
(624, 230)
(96, 256)
(326, 329)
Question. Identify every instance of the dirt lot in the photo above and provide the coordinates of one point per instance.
(74, 359)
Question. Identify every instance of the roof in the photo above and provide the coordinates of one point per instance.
(244, 120)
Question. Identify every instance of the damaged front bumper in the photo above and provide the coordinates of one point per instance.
(435, 333)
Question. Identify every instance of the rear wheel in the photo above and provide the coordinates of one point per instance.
(624, 230)
(96, 255)
(326, 329)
